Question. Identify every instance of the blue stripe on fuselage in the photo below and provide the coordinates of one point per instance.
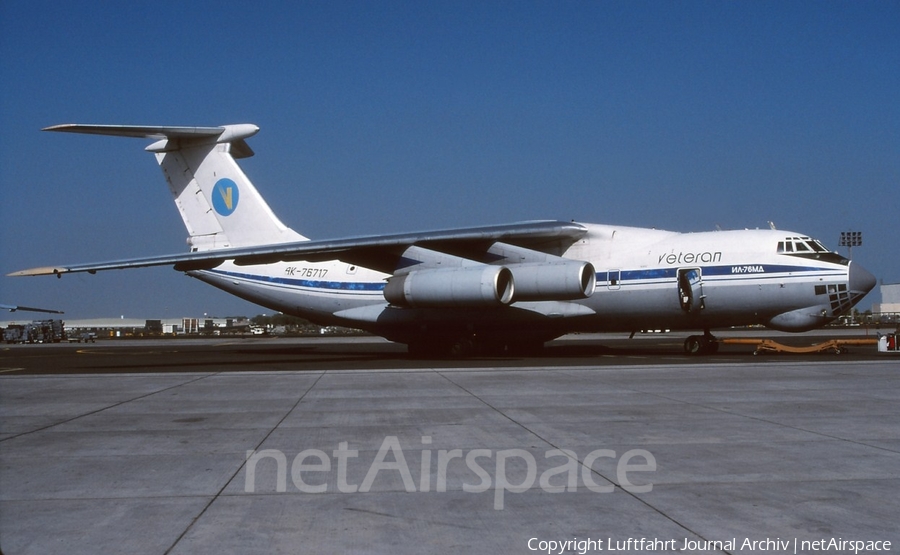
(314, 284)
(746, 271)
(743, 270)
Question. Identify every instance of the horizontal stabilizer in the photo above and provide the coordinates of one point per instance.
(177, 135)
(139, 131)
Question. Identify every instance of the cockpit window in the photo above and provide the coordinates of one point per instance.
(806, 247)
(801, 244)
(817, 246)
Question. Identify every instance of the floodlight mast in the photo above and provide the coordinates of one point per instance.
(851, 239)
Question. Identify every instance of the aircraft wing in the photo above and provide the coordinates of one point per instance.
(380, 252)
(13, 308)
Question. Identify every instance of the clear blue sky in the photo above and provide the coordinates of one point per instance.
(392, 116)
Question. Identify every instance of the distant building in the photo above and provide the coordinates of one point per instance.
(130, 327)
(113, 327)
(889, 308)
(890, 294)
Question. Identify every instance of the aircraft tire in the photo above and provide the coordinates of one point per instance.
(427, 350)
(697, 345)
(461, 348)
(693, 345)
(527, 348)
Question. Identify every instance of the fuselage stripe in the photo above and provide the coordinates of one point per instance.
(741, 271)
(309, 283)
(645, 276)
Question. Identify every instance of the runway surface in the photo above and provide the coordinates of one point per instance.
(350, 446)
(254, 353)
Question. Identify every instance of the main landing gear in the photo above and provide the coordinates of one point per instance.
(468, 346)
(705, 344)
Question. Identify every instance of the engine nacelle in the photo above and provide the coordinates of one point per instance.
(472, 286)
(562, 281)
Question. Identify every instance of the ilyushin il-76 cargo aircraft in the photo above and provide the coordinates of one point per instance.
(483, 289)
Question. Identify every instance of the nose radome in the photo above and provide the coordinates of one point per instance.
(860, 279)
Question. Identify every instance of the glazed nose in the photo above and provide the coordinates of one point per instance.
(860, 279)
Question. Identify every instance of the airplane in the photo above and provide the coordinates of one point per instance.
(496, 289)
(13, 308)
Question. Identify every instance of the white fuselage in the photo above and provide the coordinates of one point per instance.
(645, 279)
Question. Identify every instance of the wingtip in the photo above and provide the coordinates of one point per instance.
(42, 271)
(60, 127)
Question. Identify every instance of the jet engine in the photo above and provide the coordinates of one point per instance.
(471, 286)
(564, 281)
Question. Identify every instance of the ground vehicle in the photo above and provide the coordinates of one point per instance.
(38, 331)
(84, 337)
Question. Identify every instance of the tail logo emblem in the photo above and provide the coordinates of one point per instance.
(225, 197)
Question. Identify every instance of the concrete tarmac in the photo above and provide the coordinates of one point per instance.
(266, 453)
(255, 353)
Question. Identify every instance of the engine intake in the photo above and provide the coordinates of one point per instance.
(473, 286)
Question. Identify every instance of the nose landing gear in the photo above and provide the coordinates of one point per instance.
(705, 344)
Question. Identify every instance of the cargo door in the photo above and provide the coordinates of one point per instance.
(690, 290)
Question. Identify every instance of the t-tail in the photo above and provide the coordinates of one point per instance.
(219, 205)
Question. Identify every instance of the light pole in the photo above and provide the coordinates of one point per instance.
(851, 239)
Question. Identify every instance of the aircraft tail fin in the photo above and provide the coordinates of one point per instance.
(219, 205)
